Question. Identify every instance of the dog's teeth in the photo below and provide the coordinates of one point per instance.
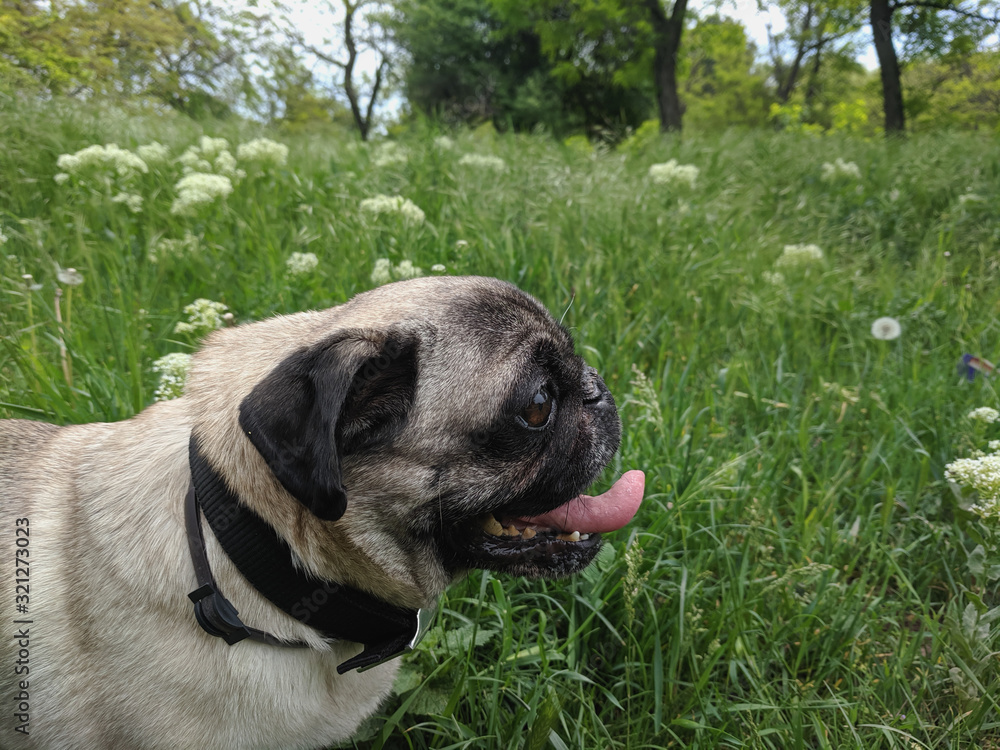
(528, 533)
(512, 531)
(492, 526)
(574, 537)
(584, 537)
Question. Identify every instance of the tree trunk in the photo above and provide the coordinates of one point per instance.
(787, 86)
(352, 56)
(666, 42)
(813, 86)
(892, 90)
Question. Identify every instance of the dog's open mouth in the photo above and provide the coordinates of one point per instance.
(553, 544)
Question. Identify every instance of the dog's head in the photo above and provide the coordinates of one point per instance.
(437, 425)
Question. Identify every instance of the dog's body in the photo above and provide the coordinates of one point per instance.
(411, 387)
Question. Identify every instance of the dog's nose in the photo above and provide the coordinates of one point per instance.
(594, 388)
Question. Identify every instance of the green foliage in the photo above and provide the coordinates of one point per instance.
(799, 575)
(462, 70)
(718, 80)
(35, 48)
(193, 56)
(472, 60)
(956, 92)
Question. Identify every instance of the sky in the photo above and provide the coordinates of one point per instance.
(755, 22)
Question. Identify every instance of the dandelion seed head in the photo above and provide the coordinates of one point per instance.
(69, 276)
(886, 329)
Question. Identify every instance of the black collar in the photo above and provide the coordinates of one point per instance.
(338, 612)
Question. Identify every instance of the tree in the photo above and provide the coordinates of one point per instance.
(191, 55)
(814, 26)
(719, 77)
(465, 63)
(623, 39)
(955, 92)
(924, 31)
(667, 31)
(35, 46)
(361, 34)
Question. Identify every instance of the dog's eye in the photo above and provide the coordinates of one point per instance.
(536, 413)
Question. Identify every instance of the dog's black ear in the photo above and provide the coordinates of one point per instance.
(343, 395)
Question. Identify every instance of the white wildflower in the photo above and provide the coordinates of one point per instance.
(994, 445)
(198, 188)
(153, 153)
(984, 414)
(982, 476)
(69, 276)
(793, 256)
(212, 147)
(382, 273)
(3, 237)
(671, 172)
(774, 277)
(438, 268)
(838, 169)
(60, 178)
(461, 244)
(406, 270)
(300, 264)
(264, 151)
(444, 143)
(483, 161)
(389, 204)
(192, 161)
(967, 198)
(132, 201)
(165, 247)
(173, 370)
(225, 164)
(886, 329)
(92, 158)
(390, 154)
(204, 315)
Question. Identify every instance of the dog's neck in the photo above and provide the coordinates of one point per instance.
(338, 612)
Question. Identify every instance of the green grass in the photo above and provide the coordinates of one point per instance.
(799, 576)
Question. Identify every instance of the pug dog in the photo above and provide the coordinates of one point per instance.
(238, 567)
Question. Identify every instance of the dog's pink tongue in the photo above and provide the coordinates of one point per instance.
(593, 515)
